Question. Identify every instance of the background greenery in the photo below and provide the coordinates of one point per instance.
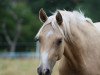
(24, 14)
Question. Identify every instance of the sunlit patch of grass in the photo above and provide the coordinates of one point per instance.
(20, 67)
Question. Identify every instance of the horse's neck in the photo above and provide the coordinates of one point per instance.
(73, 59)
(73, 55)
(78, 43)
(73, 46)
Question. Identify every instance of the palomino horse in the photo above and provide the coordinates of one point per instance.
(70, 38)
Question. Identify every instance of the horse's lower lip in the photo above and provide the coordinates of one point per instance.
(44, 74)
(47, 74)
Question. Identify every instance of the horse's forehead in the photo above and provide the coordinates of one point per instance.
(47, 31)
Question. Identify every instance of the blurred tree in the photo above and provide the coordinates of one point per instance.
(18, 25)
(11, 25)
(91, 8)
(4, 5)
(52, 5)
(61, 4)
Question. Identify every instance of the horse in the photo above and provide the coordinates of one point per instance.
(70, 38)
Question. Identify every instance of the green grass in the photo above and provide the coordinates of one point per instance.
(21, 67)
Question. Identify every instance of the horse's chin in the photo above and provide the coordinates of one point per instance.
(44, 73)
(48, 74)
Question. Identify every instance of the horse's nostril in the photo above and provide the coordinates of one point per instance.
(39, 70)
(47, 72)
(42, 71)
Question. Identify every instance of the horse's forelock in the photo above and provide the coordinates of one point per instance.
(53, 23)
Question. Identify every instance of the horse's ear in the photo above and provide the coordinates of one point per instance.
(42, 15)
(59, 18)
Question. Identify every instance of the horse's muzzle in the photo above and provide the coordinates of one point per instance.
(43, 71)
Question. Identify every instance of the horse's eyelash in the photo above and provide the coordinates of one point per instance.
(36, 39)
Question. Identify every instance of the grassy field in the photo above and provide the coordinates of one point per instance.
(21, 67)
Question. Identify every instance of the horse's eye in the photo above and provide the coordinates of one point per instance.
(59, 41)
(36, 39)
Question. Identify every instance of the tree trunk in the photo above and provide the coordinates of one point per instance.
(12, 43)
(12, 49)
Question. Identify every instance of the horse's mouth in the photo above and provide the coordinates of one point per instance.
(43, 72)
(46, 73)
